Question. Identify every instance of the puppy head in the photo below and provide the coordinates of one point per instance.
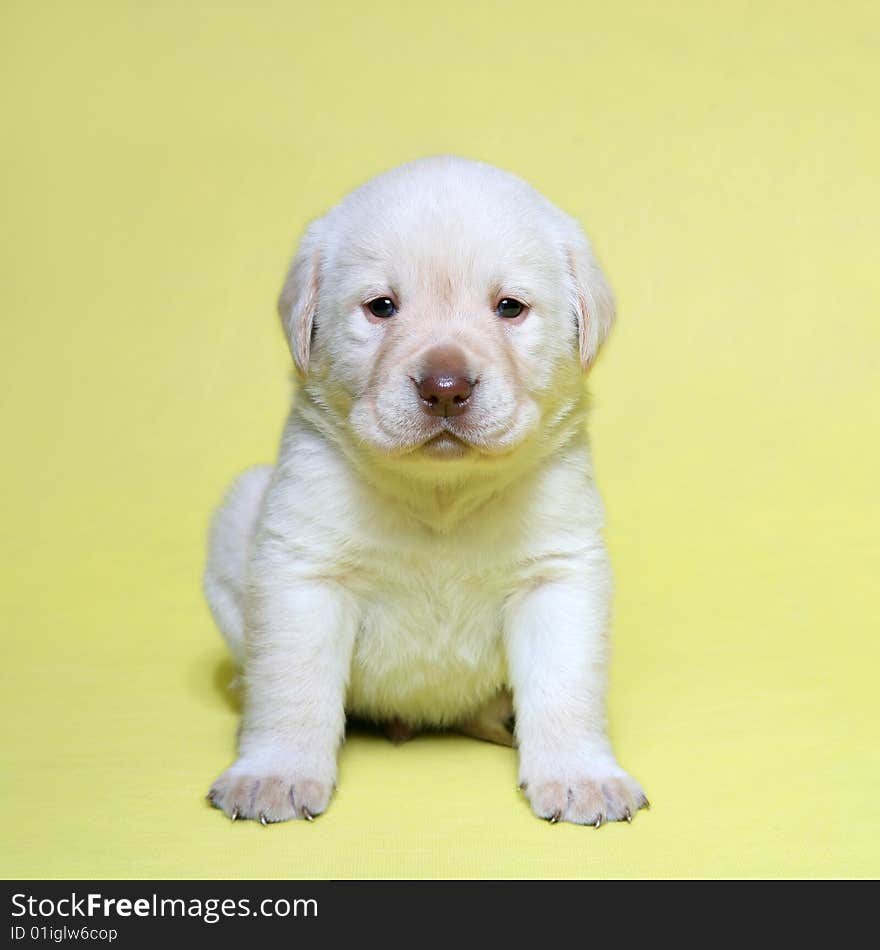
(445, 309)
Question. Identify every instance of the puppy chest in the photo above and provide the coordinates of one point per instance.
(429, 646)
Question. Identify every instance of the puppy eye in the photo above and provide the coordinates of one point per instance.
(382, 307)
(509, 308)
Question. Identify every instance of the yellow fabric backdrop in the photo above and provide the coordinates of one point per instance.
(158, 163)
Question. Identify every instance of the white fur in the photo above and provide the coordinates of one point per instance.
(377, 572)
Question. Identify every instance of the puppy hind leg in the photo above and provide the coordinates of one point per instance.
(493, 722)
(229, 540)
(398, 731)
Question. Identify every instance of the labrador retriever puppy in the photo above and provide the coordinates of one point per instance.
(429, 543)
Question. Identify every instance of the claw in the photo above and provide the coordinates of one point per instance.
(598, 823)
(263, 821)
(555, 817)
(234, 815)
(211, 796)
(308, 815)
(645, 804)
(627, 814)
(521, 787)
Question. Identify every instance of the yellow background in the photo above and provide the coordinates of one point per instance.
(158, 163)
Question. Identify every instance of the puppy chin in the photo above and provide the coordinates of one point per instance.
(445, 445)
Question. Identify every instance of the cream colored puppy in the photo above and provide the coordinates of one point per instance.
(431, 535)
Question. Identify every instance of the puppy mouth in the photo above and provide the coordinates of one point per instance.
(450, 440)
(441, 438)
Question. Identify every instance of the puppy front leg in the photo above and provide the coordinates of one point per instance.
(556, 661)
(300, 641)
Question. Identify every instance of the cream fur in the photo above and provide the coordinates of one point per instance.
(400, 566)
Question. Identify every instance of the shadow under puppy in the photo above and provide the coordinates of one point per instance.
(429, 541)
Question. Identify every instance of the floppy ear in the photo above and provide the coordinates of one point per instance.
(299, 297)
(593, 301)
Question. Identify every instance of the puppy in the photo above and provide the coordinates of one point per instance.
(429, 542)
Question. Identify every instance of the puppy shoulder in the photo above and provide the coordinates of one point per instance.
(564, 516)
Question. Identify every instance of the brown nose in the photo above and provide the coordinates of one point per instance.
(444, 386)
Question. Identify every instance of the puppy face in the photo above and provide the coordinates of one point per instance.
(444, 310)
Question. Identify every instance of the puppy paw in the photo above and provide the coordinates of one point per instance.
(269, 795)
(588, 799)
